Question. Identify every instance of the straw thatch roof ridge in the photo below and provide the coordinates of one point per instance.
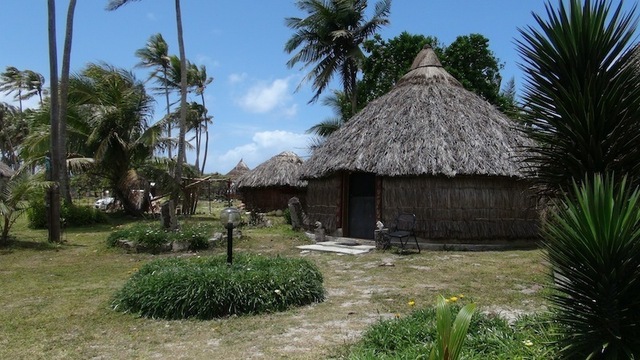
(240, 169)
(426, 125)
(6, 170)
(280, 170)
(426, 68)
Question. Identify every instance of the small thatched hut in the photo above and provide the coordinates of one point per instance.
(271, 184)
(240, 169)
(427, 147)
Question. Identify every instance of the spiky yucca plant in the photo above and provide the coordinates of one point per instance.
(581, 97)
(593, 245)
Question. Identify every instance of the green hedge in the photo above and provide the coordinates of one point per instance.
(207, 288)
(73, 215)
(152, 236)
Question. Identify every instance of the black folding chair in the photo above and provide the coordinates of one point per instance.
(403, 229)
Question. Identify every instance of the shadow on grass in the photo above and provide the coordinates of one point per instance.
(15, 244)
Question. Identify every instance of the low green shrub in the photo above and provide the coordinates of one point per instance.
(488, 337)
(207, 288)
(73, 215)
(153, 237)
(197, 235)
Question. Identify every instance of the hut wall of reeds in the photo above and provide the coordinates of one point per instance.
(271, 184)
(324, 201)
(462, 209)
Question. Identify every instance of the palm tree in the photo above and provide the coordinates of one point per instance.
(155, 55)
(200, 80)
(330, 40)
(64, 90)
(13, 192)
(117, 113)
(581, 98)
(341, 107)
(114, 4)
(33, 84)
(12, 80)
(54, 168)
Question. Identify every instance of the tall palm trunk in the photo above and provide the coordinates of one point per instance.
(166, 95)
(64, 91)
(206, 133)
(183, 103)
(54, 191)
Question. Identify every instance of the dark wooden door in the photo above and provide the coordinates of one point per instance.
(362, 205)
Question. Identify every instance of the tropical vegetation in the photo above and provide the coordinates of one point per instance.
(582, 95)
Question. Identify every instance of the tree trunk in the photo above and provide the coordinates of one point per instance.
(54, 192)
(65, 188)
(183, 104)
(166, 95)
(206, 134)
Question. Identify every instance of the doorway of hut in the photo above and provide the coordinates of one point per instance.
(361, 211)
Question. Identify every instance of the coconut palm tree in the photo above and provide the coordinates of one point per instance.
(54, 157)
(581, 97)
(33, 85)
(329, 40)
(155, 55)
(117, 110)
(13, 191)
(341, 108)
(113, 5)
(200, 81)
(64, 90)
(13, 80)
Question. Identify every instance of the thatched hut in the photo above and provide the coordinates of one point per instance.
(240, 169)
(271, 184)
(427, 147)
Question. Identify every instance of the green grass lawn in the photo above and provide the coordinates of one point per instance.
(55, 299)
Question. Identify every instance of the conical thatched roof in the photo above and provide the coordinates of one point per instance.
(428, 124)
(281, 170)
(240, 169)
(5, 170)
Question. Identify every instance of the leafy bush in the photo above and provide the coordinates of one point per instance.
(73, 215)
(593, 245)
(197, 235)
(206, 288)
(153, 237)
(489, 337)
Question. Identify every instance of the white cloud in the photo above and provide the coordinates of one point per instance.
(207, 61)
(237, 78)
(151, 16)
(266, 97)
(263, 146)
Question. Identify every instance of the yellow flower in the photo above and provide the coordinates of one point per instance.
(461, 296)
(527, 342)
(453, 299)
(397, 315)
(411, 302)
(447, 301)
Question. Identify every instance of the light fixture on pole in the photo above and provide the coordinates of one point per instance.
(230, 218)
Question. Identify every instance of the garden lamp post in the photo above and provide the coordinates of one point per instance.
(230, 218)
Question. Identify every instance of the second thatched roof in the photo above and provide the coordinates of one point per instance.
(240, 169)
(281, 170)
(428, 124)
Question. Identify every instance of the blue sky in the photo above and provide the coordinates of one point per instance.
(257, 112)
